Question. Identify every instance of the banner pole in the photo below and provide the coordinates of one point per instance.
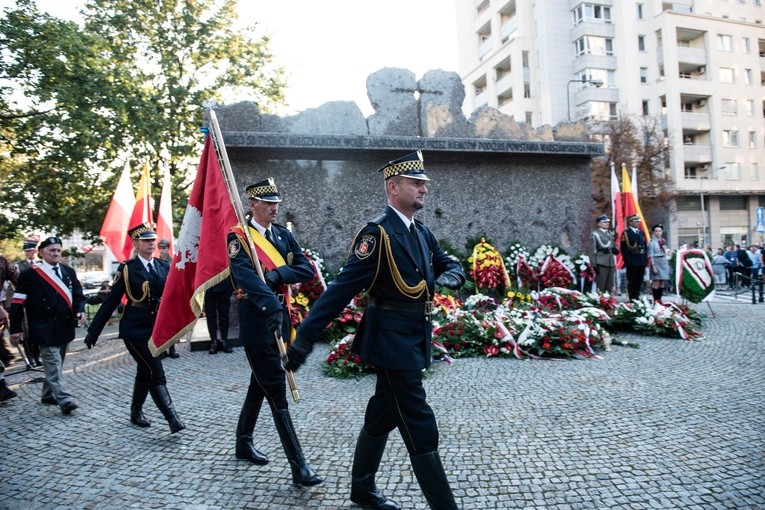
(233, 194)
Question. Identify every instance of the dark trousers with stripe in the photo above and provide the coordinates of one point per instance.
(150, 372)
(399, 402)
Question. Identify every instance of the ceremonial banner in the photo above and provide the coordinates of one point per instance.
(617, 214)
(694, 278)
(629, 196)
(200, 259)
(117, 219)
(165, 217)
(141, 211)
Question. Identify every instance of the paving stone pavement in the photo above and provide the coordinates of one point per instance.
(671, 425)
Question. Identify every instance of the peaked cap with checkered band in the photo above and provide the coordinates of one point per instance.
(410, 166)
(264, 190)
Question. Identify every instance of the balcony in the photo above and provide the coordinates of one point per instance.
(509, 29)
(606, 30)
(481, 99)
(572, 4)
(695, 121)
(697, 154)
(485, 47)
(505, 83)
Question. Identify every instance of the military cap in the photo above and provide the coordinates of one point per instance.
(264, 190)
(29, 245)
(603, 217)
(658, 225)
(48, 241)
(632, 218)
(410, 166)
(164, 243)
(143, 231)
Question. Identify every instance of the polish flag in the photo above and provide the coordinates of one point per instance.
(141, 211)
(201, 256)
(117, 219)
(165, 216)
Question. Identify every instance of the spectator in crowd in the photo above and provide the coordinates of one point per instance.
(164, 251)
(142, 281)
(720, 267)
(217, 308)
(52, 297)
(743, 264)
(8, 276)
(5, 392)
(756, 258)
(732, 256)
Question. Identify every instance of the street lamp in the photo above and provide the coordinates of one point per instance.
(583, 81)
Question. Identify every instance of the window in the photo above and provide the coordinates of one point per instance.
(643, 75)
(527, 90)
(645, 108)
(750, 107)
(688, 203)
(528, 118)
(732, 202)
(755, 172)
(746, 46)
(724, 42)
(726, 75)
(592, 45)
(747, 76)
(606, 76)
(641, 43)
(601, 110)
(730, 138)
(752, 139)
(525, 59)
(639, 8)
(729, 106)
(592, 13)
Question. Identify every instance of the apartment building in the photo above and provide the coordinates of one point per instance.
(698, 65)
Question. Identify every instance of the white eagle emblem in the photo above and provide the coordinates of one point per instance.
(188, 240)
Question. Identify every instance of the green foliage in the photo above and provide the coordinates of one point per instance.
(127, 84)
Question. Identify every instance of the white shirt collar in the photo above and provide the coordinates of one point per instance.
(406, 220)
(260, 228)
(145, 262)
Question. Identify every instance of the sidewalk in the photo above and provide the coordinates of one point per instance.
(671, 425)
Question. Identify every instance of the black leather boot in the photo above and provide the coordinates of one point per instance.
(164, 403)
(244, 447)
(430, 473)
(224, 342)
(213, 344)
(140, 391)
(302, 474)
(366, 460)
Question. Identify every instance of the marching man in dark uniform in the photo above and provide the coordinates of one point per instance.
(398, 261)
(603, 252)
(142, 280)
(633, 247)
(52, 297)
(263, 312)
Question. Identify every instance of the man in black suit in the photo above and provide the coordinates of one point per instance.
(52, 297)
(263, 311)
(142, 281)
(398, 261)
(633, 248)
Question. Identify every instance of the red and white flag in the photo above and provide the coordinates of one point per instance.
(141, 211)
(629, 196)
(165, 217)
(200, 259)
(617, 215)
(117, 219)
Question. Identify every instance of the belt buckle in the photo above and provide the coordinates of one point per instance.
(428, 311)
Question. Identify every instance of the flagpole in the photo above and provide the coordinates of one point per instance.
(233, 193)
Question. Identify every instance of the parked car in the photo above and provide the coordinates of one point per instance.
(93, 280)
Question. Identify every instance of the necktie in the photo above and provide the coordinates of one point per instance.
(416, 238)
(268, 237)
(151, 269)
(55, 270)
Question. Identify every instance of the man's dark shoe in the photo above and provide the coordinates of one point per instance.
(5, 392)
(68, 407)
(50, 401)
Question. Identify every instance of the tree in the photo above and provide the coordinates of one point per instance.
(125, 85)
(642, 143)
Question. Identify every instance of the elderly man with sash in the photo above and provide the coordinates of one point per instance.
(264, 313)
(52, 297)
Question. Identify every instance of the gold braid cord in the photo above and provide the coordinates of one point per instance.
(144, 287)
(630, 246)
(407, 290)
